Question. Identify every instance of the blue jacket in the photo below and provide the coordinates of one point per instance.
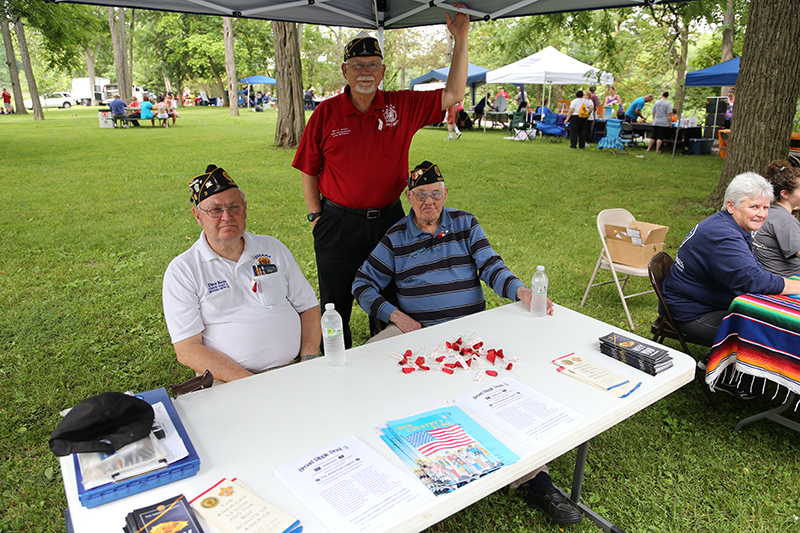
(714, 265)
(438, 276)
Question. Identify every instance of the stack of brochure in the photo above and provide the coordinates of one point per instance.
(445, 448)
(637, 354)
(171, 515)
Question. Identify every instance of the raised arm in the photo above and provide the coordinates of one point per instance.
(457, 77)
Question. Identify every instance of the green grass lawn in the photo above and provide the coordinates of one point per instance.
(95, 215)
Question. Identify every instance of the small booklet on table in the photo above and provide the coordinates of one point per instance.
(233, 508)
(173, 515)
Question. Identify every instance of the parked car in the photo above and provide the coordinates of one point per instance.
(63, 100)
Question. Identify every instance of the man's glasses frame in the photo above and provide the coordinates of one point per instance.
(422, 196)
(216, 211)
(358, 67)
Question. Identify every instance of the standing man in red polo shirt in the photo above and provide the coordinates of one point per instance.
(353, 157)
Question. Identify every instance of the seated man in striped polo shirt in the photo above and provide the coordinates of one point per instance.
(437, 257)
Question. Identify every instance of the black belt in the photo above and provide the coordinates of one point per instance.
(368, 213)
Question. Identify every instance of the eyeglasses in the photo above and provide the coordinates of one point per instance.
(216, 212)
(358, 67)
(423, 196)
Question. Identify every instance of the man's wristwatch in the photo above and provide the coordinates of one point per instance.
(308, 357)
(313, 216)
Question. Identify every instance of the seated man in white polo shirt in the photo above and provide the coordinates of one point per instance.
(236, 303)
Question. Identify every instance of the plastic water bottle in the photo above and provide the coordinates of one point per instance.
(333, 336)
(539, 288)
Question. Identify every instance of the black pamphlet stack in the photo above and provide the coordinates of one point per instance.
(173, 514)
(637, 354)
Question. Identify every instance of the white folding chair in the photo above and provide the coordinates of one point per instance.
(616, 217)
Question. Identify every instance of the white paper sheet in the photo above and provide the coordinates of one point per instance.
(350, 487)
(520, 410)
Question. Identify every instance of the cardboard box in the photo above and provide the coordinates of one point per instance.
(635, 245)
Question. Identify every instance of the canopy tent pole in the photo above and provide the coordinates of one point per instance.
(678, 129)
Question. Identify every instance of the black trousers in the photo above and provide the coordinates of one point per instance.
(577, 131)
(343, 239)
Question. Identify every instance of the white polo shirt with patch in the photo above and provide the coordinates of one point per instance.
(208, 294)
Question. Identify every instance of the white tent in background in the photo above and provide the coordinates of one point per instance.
(548, 67)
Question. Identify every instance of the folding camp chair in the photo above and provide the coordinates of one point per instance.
(616, 217)
(612, 140)
(549, 126)
(521, 128)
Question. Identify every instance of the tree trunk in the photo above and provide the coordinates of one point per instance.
(768, 85)
(230, 67)
(90, 69)
(217, 77)
(118, 41)
(680, 66)
(289, 89)
(19, 29)
(728, 36)
(11, 61)
(130, 54)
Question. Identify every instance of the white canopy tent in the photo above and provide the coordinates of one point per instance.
(548, 67)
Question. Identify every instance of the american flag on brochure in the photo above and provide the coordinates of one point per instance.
(432, 441)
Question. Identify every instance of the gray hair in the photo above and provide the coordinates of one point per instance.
(748, 185)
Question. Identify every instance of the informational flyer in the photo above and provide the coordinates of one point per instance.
(351, 487)
(520, 410)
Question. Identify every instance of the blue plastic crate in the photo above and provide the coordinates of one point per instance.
(186, 467)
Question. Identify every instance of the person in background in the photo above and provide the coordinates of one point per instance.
(353, 159)
(172, 105)
(452, 118)
(777, 242)
(578, 124)
(521, 99)
(147, 110)
(612, 98)
(729, 108)
(437, 257)
(673, 116)
(219, 316)
(596, 113)
(6, 100)
(117, 106)
(634, 112)
(502, 92)
(661, 123)
(134, 110)
(715, 264)
(478, 113)
(162, 111)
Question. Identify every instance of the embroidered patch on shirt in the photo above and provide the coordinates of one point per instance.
(418, 253)
(390, 116)
(214, 286)
(340, 131)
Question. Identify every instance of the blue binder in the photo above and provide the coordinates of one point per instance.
(186, 467)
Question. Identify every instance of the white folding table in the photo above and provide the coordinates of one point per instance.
(248, 428)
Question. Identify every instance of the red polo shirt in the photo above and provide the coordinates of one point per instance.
(362, 158)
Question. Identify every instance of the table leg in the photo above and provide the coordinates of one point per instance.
(577, 482)
(774, 415)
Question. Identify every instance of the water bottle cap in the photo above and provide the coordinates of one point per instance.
(540, 268)
(329, 306)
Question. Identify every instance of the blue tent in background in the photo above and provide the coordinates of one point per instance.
(722, 75)
(476, 76)
(258, 79)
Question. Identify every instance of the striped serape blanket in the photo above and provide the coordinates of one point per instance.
(761, 337)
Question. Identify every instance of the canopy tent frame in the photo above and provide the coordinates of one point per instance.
(258, 79)
(720, 75)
